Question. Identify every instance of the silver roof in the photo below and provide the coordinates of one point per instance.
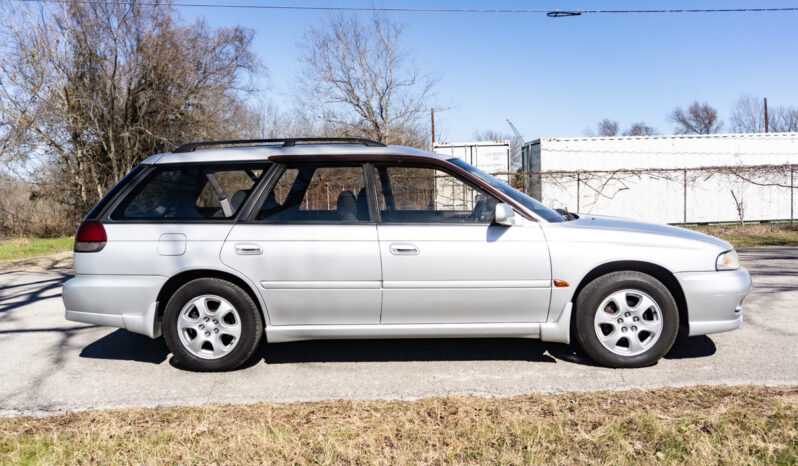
(264, 152)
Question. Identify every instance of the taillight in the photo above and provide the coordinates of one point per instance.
(90, 237)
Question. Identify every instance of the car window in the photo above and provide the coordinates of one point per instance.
(190, 192)
(314, 193)
(516, 195)
(429, 195)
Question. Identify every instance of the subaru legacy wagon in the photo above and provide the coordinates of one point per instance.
(218, 245)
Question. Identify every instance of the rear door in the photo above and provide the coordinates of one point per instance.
(445, 261)
(312, 247)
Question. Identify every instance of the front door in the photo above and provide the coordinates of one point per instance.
(445, 261)
(312, 248)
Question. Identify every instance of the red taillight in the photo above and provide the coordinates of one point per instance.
(90, 237)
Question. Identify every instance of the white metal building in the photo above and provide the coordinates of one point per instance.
(488, 156)
(667, 179)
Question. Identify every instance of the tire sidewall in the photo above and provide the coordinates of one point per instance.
(251, 326)
(594, 294)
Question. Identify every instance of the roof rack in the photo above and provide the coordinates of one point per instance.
(286, 142)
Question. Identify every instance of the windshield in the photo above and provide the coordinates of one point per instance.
(516, 195)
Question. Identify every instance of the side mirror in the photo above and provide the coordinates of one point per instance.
(505, 215)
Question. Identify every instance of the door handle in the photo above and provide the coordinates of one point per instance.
(248, 249)
(403, 249)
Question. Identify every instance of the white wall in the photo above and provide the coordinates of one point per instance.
(660, 196)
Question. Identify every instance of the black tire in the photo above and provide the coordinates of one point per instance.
(593, 295)
(251, 325)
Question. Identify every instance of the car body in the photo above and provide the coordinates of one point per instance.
(353, 239)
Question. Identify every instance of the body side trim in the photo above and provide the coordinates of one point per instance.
(476, 284)
(288, 333)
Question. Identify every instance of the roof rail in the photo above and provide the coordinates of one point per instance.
(287, 142)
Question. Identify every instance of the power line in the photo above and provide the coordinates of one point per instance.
(550, 13)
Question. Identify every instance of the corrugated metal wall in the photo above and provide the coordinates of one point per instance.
(666, 179)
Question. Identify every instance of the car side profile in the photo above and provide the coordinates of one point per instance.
(218, 245)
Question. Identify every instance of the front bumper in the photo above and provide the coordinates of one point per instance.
(714, 299)
(125, 301)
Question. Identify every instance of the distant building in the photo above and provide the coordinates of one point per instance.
(667, 179)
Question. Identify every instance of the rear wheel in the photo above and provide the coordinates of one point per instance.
(211, 325)
(626, 319)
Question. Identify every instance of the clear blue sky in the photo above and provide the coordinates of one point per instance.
(555, 77)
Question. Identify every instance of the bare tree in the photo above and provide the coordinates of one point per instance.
(748, 115)
(700, 118)
(607, 127)
(639, 129)
(784, 120)
(358, 81)
(87, 90)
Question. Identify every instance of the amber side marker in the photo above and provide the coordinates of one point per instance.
(560, 283)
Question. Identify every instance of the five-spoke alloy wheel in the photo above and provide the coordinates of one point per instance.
(626, 319)
(211, 325)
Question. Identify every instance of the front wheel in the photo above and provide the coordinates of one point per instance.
(626, 319)
(211, 325)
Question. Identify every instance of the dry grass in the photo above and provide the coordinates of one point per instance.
(703, 425)
(753, 234)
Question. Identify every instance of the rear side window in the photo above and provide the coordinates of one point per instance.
(97, 210)
(313, 193)
(190, 192)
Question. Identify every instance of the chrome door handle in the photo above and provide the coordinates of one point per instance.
(248, 249)
(403, 249)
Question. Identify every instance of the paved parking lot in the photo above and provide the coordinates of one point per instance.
(49, 364)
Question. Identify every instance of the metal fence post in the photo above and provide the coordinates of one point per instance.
(792, 193)
(684, 188)
(578, 183)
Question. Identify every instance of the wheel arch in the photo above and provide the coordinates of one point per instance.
(662, 274)
(180, 279)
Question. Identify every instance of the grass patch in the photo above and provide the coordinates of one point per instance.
(699, 425)
(21, 248)
(753, 234)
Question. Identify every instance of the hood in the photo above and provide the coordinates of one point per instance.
(628, 230)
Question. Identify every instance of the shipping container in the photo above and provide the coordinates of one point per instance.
(489, 156)
(667, 179)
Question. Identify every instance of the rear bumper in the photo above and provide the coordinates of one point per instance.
(125, 301)
(714, 299)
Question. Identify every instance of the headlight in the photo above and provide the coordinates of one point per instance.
(728, 261)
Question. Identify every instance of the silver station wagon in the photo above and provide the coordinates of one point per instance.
(300, 239)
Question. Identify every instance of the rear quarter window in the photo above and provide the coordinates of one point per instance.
(97, 210)
(190, 192)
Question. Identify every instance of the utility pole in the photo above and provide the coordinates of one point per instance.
(432, 117)
(766, 114)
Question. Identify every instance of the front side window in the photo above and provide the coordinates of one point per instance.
(428, 195)
(314, 193)
(190, 192)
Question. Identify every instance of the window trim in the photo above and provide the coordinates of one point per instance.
(266, 165)
(277, 174)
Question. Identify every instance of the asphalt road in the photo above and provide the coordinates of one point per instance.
(49, 365)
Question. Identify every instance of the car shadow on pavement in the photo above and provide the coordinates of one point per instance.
(124, 345)
(455, 349)
(692, 347)
(127, 346)
(452, 350)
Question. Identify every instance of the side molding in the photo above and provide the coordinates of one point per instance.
(559, 331)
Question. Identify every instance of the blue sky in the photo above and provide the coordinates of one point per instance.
(555, 77)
